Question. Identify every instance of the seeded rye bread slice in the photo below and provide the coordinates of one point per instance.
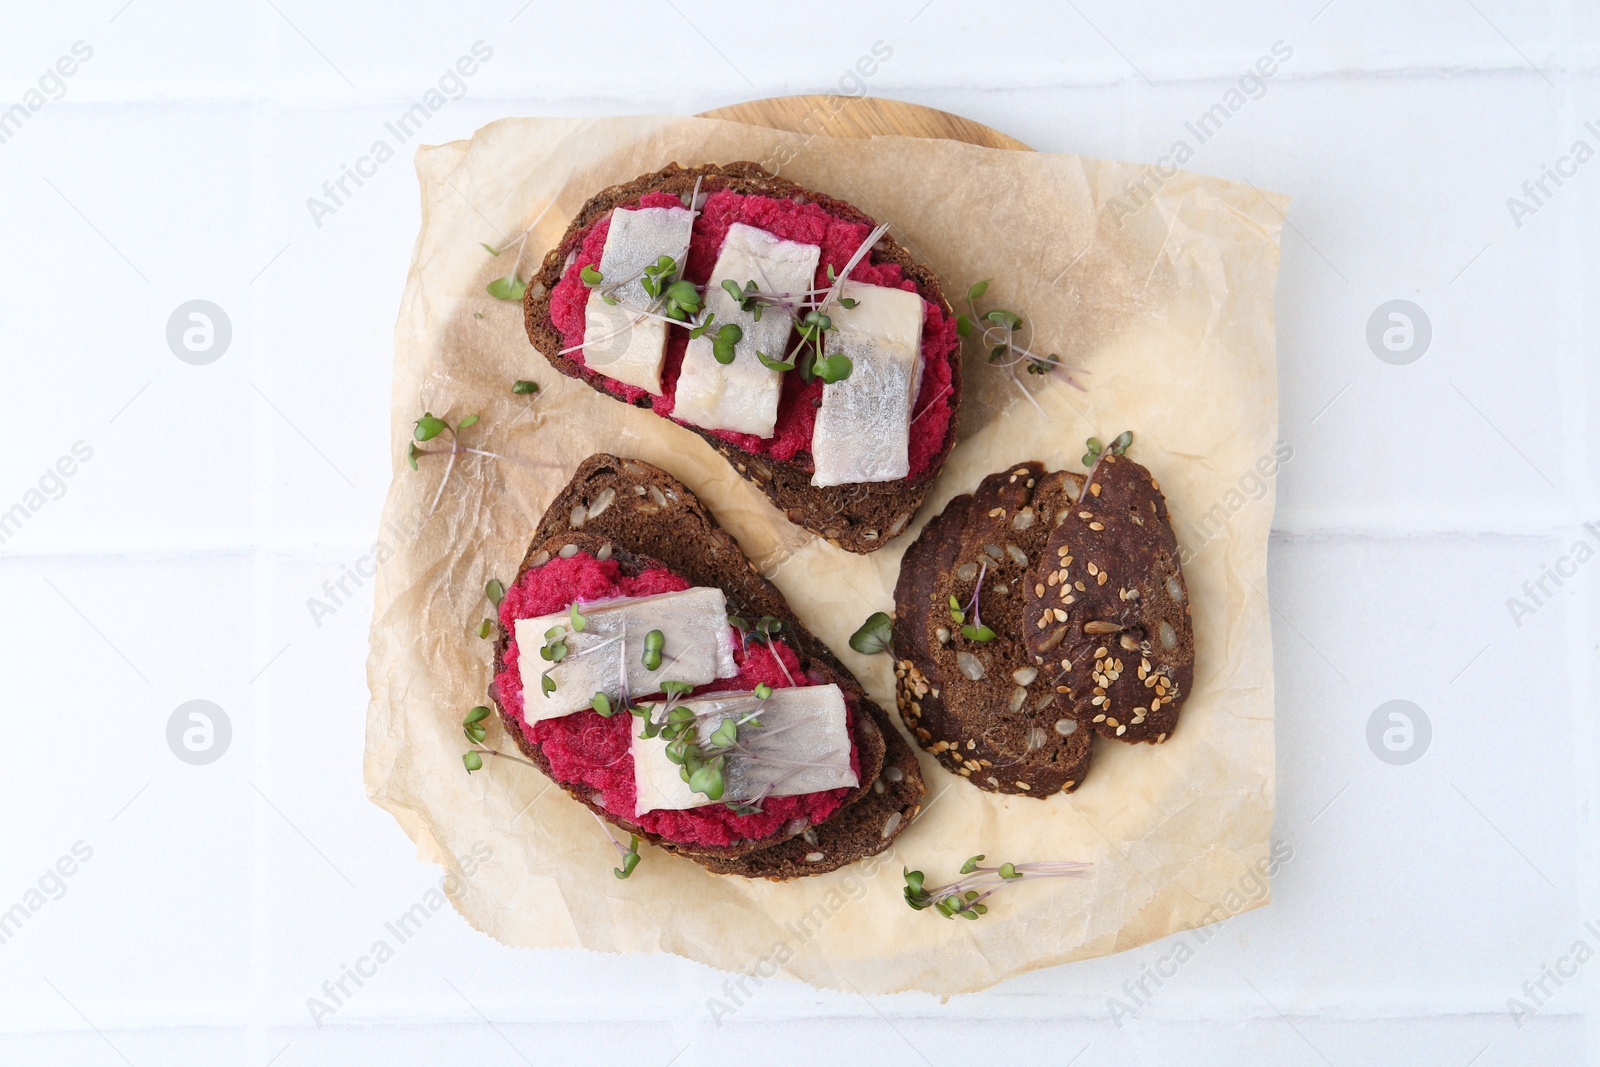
(645, 515)
(859, 517)
(1002, 730)
(1113, 612)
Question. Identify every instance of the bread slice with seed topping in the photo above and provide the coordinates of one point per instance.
(1124, 636)
(639, 514)
(858, 517)
(986, 709)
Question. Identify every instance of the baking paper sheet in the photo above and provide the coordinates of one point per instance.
(1161, 288)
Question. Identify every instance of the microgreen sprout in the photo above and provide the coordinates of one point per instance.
(473, 726)
(965, 896)
(875, 635)
(495, 590)
(512, 287)
(602, 705)
(630, 855)
(1119, 446)
(485, 628)
(630, 858)
(591, 277)
(429, 427)
(974, 630)
(999, 329)
(523, 387)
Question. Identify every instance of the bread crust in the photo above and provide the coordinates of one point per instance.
(860, 517)
(650, 518)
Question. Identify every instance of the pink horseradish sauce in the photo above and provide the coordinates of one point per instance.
(585, 749)
(807, 223)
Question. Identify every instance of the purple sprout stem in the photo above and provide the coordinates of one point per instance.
(977, 590)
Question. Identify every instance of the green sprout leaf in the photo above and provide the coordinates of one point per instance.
(472, 761)
(464, 423)
(412, 454)
(955, 611)
(773, 364)
(676, 689)
(763, 691)
(1009, 871)
(1124, 439)
(428, 427)
(916, 895)
(630, 859)
(847, 303)
(495, 590)
(579, 622)
(485, 628)
(977, 633)
(836, 368)
(874, 636)
(489, 249)
(653, 643)
(722, 349)
(590, 276)
(548, 684)
(523, 387)
(726, 734)
(708, 780)
(602, 705)
(510, 287)
(975, 293)
(972, 864)
(1001, 317)
(963, 326)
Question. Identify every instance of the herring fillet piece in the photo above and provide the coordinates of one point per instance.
(863, 428)
(806, 724)
(697, 649)
(613, 344)
(743, 395)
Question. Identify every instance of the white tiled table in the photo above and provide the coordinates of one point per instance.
(176, 563)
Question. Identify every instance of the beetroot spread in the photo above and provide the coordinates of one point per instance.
(586, 749)
(797, 404)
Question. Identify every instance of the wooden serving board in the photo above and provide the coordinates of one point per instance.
(862, 116)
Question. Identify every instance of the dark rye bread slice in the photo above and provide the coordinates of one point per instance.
(859, 517)
(1111, 616)
(1002, 730)
(641, 510)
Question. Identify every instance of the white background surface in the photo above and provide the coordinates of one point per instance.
(219, 498)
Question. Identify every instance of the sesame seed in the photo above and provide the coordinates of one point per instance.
(1038, 588)
(1085, 514)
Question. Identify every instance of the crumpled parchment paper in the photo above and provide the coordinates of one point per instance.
(1160, 288)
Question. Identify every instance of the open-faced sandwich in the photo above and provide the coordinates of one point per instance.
(1032, 614)
(652, 673)
(785, 327)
